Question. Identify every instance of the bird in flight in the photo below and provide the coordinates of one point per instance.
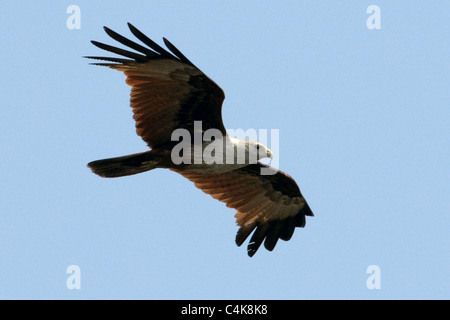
(169, 93)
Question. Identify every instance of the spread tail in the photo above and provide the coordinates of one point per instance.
(124, 166)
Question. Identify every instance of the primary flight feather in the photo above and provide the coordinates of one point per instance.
(169, 93)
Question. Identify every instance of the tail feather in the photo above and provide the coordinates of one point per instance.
(124, 166)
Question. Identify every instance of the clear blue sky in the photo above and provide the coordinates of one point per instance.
(364, 118)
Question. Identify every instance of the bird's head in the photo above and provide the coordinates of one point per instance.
(258, 151)
(249, 151)
(264, 152)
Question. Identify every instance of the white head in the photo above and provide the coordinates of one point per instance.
(249, 151)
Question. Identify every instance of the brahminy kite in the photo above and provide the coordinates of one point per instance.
(169, 93)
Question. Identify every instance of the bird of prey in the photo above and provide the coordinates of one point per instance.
(169, 93)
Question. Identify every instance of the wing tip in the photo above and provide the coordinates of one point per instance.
(157, 53)
(270, 232)
(131, 26)
(244, 232)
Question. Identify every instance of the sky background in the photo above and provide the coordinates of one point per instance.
(363, 116)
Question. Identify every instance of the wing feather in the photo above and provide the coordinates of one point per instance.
(149, 42)
(269, 206)
(127, 42)
(168, 91)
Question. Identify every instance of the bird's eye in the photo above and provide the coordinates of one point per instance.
(257, 147)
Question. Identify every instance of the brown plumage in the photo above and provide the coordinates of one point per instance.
(168, 92)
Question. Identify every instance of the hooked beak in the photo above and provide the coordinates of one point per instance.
(269, 154)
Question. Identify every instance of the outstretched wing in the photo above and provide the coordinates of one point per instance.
(168, 91)
(270, 205)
